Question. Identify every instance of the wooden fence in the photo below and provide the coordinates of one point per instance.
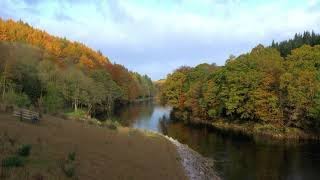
(26, 114)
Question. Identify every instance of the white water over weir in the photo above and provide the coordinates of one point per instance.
(195, 165)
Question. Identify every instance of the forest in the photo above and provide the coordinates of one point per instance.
(48, 73)
(306, 38)
(268, 85)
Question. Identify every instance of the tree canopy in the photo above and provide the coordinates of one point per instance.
(43, 70)
(306, 38)
(260, 86)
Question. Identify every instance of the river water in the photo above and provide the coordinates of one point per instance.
(236, 156)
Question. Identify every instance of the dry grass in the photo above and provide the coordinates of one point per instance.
(100, 153)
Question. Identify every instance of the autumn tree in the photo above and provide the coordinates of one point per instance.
(300, 86)
(260, 86)
(54, 72)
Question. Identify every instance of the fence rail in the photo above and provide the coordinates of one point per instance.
(26, 114)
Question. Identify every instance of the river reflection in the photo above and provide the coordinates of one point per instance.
(236, 156)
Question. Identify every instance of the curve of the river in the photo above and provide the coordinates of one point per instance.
(236, 156)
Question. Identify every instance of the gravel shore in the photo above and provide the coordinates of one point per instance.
(195, 165)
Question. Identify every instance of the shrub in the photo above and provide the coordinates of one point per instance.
(212, 113)
(72, 156)
(111, 124)
(69, 169)
(23, 100)
(24, 150)
(13, 98)
(53, 101)
(76, 114)
(12, 161)
(68, 165)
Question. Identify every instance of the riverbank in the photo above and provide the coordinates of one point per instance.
(257, 129)
(70, 149)
(196, 166)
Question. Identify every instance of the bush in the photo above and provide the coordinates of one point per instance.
(23, 100)
(113, 127)
(80, 114)
(69, 169)
(72, 156)
(111, 124)
(68, 165)
(12, 161)
(24, 150)
(212, 113)
(13, 98)
(53, 100)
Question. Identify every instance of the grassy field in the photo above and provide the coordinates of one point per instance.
(67, 149)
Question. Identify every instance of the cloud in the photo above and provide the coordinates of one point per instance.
(31, 2)
(154, 37)
(63, 17)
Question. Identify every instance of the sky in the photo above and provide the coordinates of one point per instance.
(154, 37)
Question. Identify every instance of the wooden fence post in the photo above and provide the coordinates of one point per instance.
(21, 118)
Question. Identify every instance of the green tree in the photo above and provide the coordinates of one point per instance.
(110, 89)
(300, 86)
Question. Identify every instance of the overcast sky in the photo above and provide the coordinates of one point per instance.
(154, 37)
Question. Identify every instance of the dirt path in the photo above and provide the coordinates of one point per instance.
(100, 153)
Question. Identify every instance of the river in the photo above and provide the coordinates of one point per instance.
(236, 156)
